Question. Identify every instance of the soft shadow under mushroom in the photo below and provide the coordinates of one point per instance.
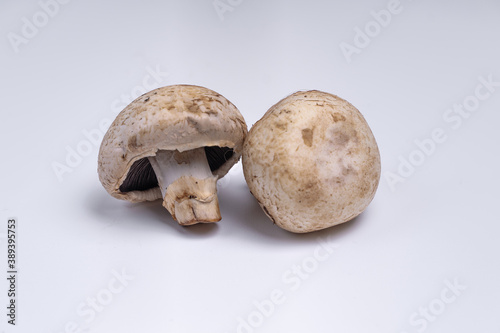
(246, 218)
(138, 216)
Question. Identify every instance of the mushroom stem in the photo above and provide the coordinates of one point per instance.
(188, 187)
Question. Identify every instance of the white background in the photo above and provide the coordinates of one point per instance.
(438, 225)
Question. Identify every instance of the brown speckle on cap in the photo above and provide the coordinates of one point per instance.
(307, 136)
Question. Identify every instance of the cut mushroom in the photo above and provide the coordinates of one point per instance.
(312, 162)
(173, 143)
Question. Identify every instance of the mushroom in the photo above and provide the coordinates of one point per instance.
(311, 162)
(173, 143)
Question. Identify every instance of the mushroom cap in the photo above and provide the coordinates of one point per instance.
(312, 162)
(178, 117)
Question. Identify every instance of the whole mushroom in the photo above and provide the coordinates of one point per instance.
(311, 162)
(173, 143)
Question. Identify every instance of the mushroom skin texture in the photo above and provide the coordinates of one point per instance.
(173, 143)
(311, 162)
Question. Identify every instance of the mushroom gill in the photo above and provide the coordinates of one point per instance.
(141, 176)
